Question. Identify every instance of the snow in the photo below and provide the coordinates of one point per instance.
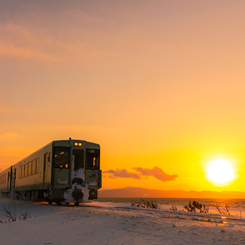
(92, 183)
(83, 187)
(115, 223)
(60, 182)
(68, 195)
(79, 173)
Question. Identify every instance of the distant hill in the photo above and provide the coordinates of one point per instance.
(143, 192)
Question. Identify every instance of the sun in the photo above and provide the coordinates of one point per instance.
(220, 171)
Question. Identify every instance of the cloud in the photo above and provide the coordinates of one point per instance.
(21, 42)
(29, 43)
(10, 50)
(155, 172)
(121, 173)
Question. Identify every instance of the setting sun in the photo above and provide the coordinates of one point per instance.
(220, 171)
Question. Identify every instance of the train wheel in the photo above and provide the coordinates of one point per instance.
(58, 203)
(50, 202)
(76, 203)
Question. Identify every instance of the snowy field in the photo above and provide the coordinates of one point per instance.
(115, 223)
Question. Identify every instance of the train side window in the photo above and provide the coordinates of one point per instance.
(78, 156)
(29, 168)
(19, 172)
(26, 169)
(22, 171)
(61, 155)
(37, 165)
(3, 179)
(33, 167)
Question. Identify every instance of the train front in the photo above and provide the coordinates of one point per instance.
(76, 170)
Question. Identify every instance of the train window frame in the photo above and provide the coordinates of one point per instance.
(3, 179)
(76, 164)
(26, 169)
(33, 169)
(19, 172)
(29, 168)
(22, 171)
(96, 153)
(37, 165)
(34, 165)
(58, 163)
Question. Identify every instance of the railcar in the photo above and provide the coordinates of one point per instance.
(62, 171)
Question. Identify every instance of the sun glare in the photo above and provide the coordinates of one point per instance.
(220, 171)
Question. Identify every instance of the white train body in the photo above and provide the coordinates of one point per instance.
(62, 171)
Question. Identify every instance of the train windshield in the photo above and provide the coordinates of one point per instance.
(92, 159)
(61, 157)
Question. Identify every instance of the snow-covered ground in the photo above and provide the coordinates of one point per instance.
(115, 223)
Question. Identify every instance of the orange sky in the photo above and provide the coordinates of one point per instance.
(158, 84)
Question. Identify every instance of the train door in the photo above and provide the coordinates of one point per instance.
(9, 179)
(12, 178)
(45, 169)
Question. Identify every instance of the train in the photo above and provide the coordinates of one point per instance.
(63, 171)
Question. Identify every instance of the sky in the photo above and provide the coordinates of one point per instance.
(158, 84)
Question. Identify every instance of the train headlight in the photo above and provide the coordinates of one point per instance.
(78, 144)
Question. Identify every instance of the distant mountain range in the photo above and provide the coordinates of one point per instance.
(144, 193)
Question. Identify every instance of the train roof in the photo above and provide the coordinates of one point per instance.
(64, 143)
